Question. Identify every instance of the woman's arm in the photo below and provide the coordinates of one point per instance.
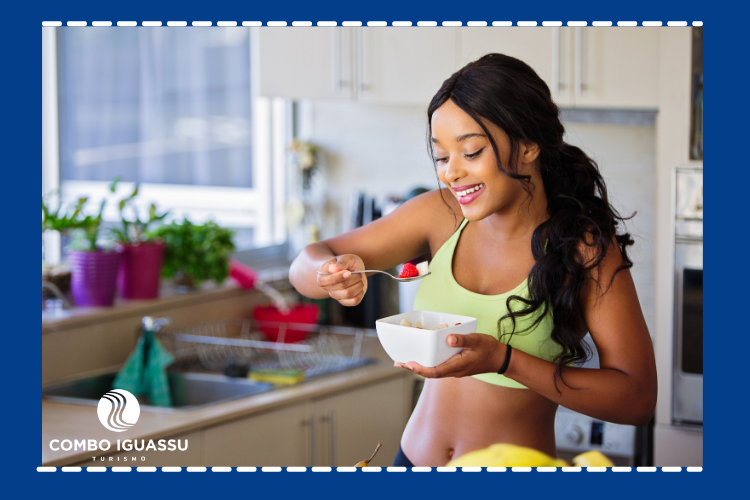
(402, 235)
(622, 390)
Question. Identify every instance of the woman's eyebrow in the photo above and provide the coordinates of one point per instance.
(462, 137)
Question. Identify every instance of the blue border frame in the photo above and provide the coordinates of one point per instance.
(724, 401)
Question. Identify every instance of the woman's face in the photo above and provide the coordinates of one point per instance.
(466, 163)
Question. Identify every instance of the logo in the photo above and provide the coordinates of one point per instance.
(118, 410)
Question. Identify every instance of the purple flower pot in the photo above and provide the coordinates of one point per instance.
(140, 270)
(94, 277)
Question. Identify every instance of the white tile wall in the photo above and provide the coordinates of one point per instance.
(382, 150)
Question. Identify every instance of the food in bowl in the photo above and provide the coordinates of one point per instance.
(425, 345)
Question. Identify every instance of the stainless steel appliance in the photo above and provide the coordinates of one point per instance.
(687, 403)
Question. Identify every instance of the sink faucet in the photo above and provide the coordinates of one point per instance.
(56, 292)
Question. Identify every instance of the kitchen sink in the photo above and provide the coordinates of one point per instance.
(189, 390)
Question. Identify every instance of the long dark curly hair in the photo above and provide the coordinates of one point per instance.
(508, 93)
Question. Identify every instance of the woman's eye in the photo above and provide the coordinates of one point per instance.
(474, 155)
(438, 160)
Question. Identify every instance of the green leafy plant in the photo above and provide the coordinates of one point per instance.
(71, 219)
(200, 252)
(135, 230)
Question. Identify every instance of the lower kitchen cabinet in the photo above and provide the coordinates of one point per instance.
(278, 438)
(337, 430)
(351, 424)
(191, 457)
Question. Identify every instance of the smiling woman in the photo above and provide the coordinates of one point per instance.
(524, 239)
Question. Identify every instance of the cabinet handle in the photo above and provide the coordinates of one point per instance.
(338, 79)
(363, 87)
(579, 85)
(310, 422)
(330, 419)
(556, 87)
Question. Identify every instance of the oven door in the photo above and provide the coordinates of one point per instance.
(688, 364)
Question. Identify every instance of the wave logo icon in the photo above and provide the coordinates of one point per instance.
(118, 410)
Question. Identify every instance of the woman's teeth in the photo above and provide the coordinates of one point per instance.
(470, 190)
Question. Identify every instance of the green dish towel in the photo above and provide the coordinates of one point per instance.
(145, 371)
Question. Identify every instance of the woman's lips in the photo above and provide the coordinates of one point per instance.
(465, 200)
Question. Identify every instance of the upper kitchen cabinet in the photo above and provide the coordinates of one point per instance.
(544, 49)
(370, 64)
(584, 67)
(403, 65)
(615, 67)
(301, 63)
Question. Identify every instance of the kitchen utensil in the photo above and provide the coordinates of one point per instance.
(427, 347)
(404, 280)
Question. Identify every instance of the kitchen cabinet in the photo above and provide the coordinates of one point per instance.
(546, 50)
(337, 430)
(615, 67)
(351, 424)
(403, 65)
(300, 63)
(379, 65)
(278, 438)
(584, 67)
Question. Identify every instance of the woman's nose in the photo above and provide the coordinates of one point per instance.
(454, 170)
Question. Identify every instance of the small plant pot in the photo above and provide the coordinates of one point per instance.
(140, 270)
(94, 277)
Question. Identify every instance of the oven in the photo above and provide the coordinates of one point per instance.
(687, 402)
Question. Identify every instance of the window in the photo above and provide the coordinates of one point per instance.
(173, 109)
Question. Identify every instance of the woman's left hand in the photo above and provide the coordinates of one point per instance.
(482, 354)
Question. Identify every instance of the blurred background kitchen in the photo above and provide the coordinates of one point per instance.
(245, 144)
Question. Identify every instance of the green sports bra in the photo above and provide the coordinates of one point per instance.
(440, 292)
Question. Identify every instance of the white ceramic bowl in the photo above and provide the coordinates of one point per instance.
(426, 347)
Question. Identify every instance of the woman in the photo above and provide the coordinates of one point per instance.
(519, 206)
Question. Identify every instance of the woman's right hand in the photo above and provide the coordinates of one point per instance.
(342, 285)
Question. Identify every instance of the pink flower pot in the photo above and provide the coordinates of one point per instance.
(93, 277)
(140, 270)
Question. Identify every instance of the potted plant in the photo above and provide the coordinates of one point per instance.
(62, 221)
(93, 266)
(195, 253)
(140, 253)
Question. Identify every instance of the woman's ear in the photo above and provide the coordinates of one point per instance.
(529, 152)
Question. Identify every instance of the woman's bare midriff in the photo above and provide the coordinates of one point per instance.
(457, 415)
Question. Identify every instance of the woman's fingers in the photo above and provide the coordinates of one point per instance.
(347, 293)
(341, 284)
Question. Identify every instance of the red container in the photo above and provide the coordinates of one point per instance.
(269, 319)
(140, 270)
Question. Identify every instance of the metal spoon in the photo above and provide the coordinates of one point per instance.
(403, 280)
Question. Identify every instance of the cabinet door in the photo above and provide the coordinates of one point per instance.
(547, 50)
(191, 457)
(403, 65)
(279, 438)
(616, 67)
(303, 63)
(351, 424)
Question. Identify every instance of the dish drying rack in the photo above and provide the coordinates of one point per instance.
(212, 346)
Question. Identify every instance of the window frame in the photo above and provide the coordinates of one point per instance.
(262, 206)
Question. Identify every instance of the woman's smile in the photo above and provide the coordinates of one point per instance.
(467, 194)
